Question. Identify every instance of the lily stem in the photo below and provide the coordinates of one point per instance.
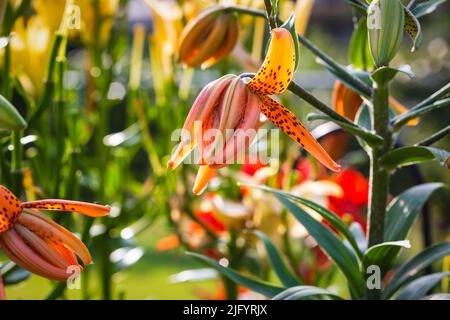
(379, 177)
(316, 103)
(271, 14)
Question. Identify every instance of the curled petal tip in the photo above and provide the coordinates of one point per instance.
(204, 175)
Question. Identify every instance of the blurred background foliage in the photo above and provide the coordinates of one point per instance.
(111, 141)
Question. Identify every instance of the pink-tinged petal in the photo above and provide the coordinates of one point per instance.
(278, 67)
(20, 253)
(2, 289)
(41, 247)
(246, 111)
(54, 232)
(289, 124)
(205, 102)
(204, 175)
(88, 209)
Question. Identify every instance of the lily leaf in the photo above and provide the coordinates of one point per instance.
(290, 26)
(404, 209)
(382, 254)
(330, 217)
(359, 51)
(418, 288)
(330, 243)
(406, 156)
(414, 266)
(385, 74)
(10, 118)
(426, 7)
(264, 288)
(281, 269)
(302, 292)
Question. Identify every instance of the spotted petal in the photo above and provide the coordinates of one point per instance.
(289, 124)
(278, 67)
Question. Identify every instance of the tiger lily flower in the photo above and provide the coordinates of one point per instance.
(235, 103)
(35, 242)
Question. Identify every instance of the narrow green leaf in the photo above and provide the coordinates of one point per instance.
(281, 269)
(415, 112)
(403, 210)
(382, 254)
(302, 292)
(406, 156)
(414, 266)
(426, 7)
(358, 233)
(437, 296)
(290, 26)
(10, 118)
(359, 51)
(330, 243)
(362, 133)
(13, 274)
(264, 288)
(416, 289)
(384, 75)
(330, 217)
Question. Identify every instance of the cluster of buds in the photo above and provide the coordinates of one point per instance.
(209, 37)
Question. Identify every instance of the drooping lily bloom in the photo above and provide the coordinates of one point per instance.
(35, 242)
(231, 105)
(209, 37)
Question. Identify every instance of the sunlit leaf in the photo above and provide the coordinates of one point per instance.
(404, 209)
(410, 269)
(418, 288)
(303, 292)
(406, 156)
(279, 266)
(264, 288)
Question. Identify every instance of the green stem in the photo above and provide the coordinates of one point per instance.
(271, 14)
(246, 10)
(379, 177)
(343, 72)
(435, 137)
(316, 103)
(16, 162)
(47, 96)
(60, 126)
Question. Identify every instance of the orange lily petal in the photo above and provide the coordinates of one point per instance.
(10, 209)
(277, 70)
(47, 228)
(400, 108)
(88, 209)
(204, 175)
(289, 124)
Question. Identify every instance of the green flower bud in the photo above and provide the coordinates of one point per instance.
(385, 23)
(10, 119)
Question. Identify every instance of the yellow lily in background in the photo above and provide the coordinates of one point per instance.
(107, 10)
(50, 11)
(30, 47)
(303, 9)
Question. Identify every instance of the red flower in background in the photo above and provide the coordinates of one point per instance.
(355, 198)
